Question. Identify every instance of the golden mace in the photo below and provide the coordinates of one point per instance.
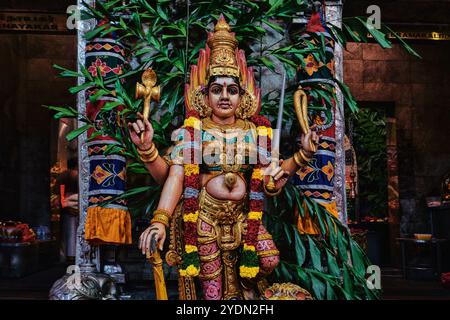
(148, 91)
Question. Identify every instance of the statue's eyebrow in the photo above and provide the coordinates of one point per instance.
(221, 85)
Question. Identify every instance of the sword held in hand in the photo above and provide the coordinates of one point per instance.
(275, 155)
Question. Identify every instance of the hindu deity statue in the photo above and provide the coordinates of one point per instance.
(216, 176)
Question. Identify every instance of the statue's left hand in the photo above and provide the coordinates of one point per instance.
(310, 136)
(279, 175)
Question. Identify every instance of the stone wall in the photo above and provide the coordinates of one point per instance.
(419, 90)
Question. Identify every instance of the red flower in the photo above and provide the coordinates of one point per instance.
(192, 181)
(260, 120)
(190, 233)
(190, 205)
(192, 113)
(255, 185)
(252, 231)
(256, 205)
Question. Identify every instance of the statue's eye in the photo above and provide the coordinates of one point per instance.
(215, 90)
(233, 90)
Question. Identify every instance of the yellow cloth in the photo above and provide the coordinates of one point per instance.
(107, 225)
(307, 225)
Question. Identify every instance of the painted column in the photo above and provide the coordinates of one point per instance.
(333, 15)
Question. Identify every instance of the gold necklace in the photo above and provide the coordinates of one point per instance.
(208, 123)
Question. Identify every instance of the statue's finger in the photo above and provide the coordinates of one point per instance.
(141, 237)
(161, 242)
(153, 243)
(145, 242)
(140, 124)
(136, 128)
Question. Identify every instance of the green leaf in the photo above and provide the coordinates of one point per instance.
(402, 42)
(75, 133)
(379, 36)
(315, 254)
(338, 34)
(331, 231)
(348, 98)
(269, 64)
(275, 4)
(95, 32)
(354, 35)
(98, 94)
(274, 26)
(81, 87)
(162, 13)
(66, 72)
(300, 250)
(111, 105)
(333, 267)
(331, 295)
(286, 274)
(348, 283)
(287, 232)
(342, 248)
(318, 287)
(357, 259)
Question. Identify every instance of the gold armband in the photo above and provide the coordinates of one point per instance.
(161, 216)
(149, 155)
(301, 159)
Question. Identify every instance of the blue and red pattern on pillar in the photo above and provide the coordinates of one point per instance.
(110, 223)
(316, 180)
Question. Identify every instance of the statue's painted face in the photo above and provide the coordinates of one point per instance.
(223, 97)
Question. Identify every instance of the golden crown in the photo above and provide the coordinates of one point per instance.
(223, 46)
(221, 57)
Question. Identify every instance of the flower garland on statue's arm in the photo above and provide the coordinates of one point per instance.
(249, 263)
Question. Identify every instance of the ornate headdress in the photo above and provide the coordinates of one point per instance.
(222, 57)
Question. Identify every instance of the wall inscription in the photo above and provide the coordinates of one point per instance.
(33, 21)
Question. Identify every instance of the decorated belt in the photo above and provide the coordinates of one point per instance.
(222, 211)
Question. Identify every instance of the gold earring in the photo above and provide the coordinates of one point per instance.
(247, 106)
(199, 103)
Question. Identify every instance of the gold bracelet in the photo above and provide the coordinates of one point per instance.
(162, 212)
(149, 159)
(161, 219)
(150, 155)
(149, 151)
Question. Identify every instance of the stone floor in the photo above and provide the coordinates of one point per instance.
(36, 287)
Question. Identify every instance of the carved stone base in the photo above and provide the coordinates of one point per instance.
(84, 286)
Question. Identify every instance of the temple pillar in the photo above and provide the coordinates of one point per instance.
(333, 15)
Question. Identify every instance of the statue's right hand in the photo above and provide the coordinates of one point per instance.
(151, 237)
(137, 128)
